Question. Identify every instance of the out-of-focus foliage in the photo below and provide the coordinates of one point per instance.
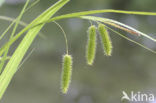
(1, 2)
(130, 68)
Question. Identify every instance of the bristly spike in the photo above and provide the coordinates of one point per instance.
(66, 73)
(91, 45)
(105, 39)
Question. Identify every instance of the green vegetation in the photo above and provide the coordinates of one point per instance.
(105, 39)
(66, 73)
(33, 28)
(91, 46)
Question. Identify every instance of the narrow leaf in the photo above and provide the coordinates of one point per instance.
(84, 13)
(132, 40)
(19, 53)
(112, 22)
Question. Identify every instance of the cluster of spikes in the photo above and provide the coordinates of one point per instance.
(90, 52)
(91, 44)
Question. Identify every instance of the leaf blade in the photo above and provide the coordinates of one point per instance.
(19, 53)
(109, 22)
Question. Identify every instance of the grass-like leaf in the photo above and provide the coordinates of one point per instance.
(19, 53)
(132, 40)
(12, 34)
(13, 20)
(83, 13)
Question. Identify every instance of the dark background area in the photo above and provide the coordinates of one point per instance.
(130, 68)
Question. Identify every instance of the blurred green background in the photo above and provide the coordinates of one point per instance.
(131, 68)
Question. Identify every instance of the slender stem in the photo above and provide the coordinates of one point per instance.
(32, 5)
(26, 58)
(77, 14)
(65, 36)
(12, 20)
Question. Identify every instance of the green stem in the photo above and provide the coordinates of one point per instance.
(65, 36)
(73, 15)
(77, 14)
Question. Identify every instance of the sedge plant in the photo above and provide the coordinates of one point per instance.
(14, 61)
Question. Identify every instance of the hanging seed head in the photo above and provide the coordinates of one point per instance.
(105, 39)
(91, 45)
(66, 73)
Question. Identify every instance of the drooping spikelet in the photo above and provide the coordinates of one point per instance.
(91, 45)
(105, 39)
(66, 73)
